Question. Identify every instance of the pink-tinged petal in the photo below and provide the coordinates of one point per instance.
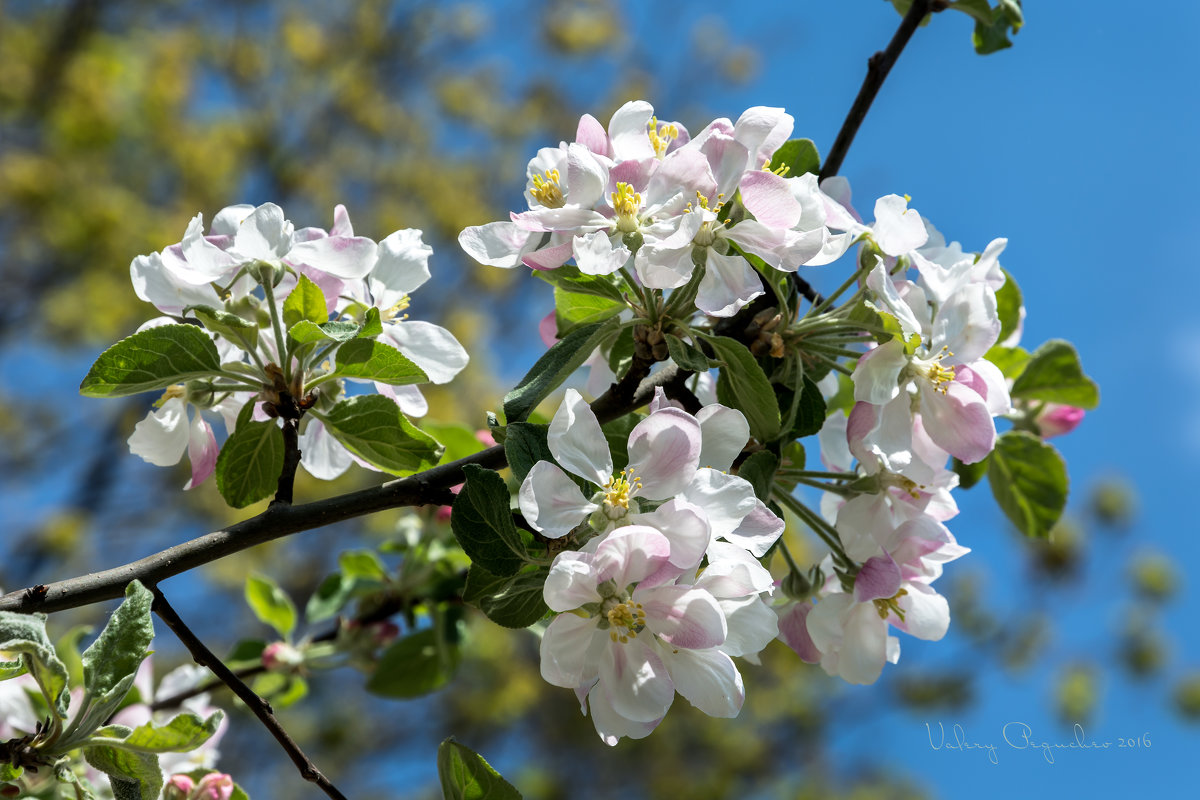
(835, 448)
(757, 531)
(550, 257)
(684, 172)
(882, 435)
(321, 455)
(729, 283)
(864, 525)
(725, 432)
(660, 400)
(685, 527)
(793, 631)
(1056, 420)
(833, 247)
(551, 502)
(409, 398)
(889, 301)
(587, 178)
(548, 329)
(571, 582)
(990, 384)
(877, 375)
(878, 579)
(628, 131)
(725, 499)
(959, 422)
(769, 198)
(733, 572)
(839, 209)
(897, 229)
(431, 347)
(762, 130)
(635, 172)
(497, 244)
(402, 266)
(162, 437)
(683, 616)
(591, 134)
(636, 680)
(203, 262)
(341, 222)
(577, 442)
(611, 726)
(202, 451)
(565, 649)
(595, 254)
(664, 450)
(752, 626)
(348, 258)
(926, 613)
(265, 234)
(728, 160)
(630, 555)
(856, 639)
(664, 268)
(707, 679)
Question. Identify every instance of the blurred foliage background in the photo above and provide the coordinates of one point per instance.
(119, 120)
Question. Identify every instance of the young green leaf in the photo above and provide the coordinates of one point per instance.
(375, 361)
(554, 367)
(799, 156)
(152, 359)
(512, 602)
(231, 326)
(271, 604)
(415, 665)
(1029, 481)
(744, 386)
(372, 427)
(362, 564)
(573, 310)
(687, 356)
(183, 733)
(1055, 375)
(26, 634)
(1008, 307)
(570, 279)
(134, 776)
(305, 302)
(249, 463)
(524, 446)
(123, 644)
(483, 524)
(466, 776)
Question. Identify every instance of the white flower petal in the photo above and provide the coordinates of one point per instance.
(708, 680)
(162, 437)
(577, 442)
(431, 347)
(551, 502)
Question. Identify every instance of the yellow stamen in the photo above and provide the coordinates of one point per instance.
(172, 391)
(547, 190)
(389, 314)
(618, 489)
(890, 605)
(627, 203)
(627, 621)
(782, 170)
(661, 136)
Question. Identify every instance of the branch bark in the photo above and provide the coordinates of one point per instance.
(878, 67)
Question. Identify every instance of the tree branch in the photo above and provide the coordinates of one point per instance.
(878, 67)
(260, 707)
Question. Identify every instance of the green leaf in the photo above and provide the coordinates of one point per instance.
(810, 412)
(483, 523)
(799, 156)
(305, 302)
(372, 427)
(362, 564)
(1055, 375)
(554, 367)
(418, 664)
(992, 37)
(466, 776)
(249, 463)
(978, 10)
(271, 604)
(306, 332)
(123, 644)
(759, 469)
(376, 361)
(572, 310)
(970, 474)
(687, 356)
(1008, 307)
(329, 598)
(132, 774)
(459, 440)
(183, 733)
(1029, 481)
(26, 634)
(524, 446)
(231, 326)
(570, 279)
(67, 648)
(744, 386)
(152, 359)
(1009, 360)
(512, 602)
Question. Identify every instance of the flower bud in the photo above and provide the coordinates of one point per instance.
(1055, 420)
(214, 786)
(281, 656)
(178, 787)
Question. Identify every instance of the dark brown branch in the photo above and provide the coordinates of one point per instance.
(878, 67)
(261, 708)
(291, 461)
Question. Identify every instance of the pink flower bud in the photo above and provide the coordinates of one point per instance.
(178, 787)
(281, 656)
(214, 786)
(1055, 420)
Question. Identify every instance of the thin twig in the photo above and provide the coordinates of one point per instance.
(260, 707)
(878, 67)
(291, 461)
